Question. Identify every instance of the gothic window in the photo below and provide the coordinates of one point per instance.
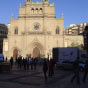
(57, 30)
(32, 10)
(40, 10)
(16, 31)
(36, 10)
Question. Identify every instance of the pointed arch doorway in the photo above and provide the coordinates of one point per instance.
(36, 52)
(15, 53)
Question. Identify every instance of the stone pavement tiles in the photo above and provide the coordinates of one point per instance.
(35, 79)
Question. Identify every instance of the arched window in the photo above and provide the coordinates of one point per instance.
(57, 30)
(32, 10)
(16, 31)
(41, 10)
(36, 10)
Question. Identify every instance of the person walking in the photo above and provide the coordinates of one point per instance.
(31, 63)
(11, 62)
(76, 71)
(35, 63)
(28, 62)
(85, 71)
(51, 67)
(45, 69)
(6, 59)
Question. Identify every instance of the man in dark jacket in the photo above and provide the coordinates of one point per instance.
(85, 71)
(11, 62)
(76, 71)
(45, 69)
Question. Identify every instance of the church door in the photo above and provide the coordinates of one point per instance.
(15, 53)
(36, 52)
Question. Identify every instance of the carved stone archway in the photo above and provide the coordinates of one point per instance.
(36, 49)
(36, 52)
(15, 53)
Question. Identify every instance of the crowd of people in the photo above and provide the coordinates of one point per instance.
(47, 65)
(24, 62)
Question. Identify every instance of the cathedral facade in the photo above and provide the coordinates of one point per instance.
(35, 32)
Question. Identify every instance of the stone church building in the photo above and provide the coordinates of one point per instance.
(36, 31)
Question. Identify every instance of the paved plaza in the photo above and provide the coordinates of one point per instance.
(34, 79)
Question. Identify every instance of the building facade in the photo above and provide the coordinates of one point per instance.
(36, 31)
(75, 29)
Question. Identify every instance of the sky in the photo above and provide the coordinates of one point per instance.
(75, 11)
